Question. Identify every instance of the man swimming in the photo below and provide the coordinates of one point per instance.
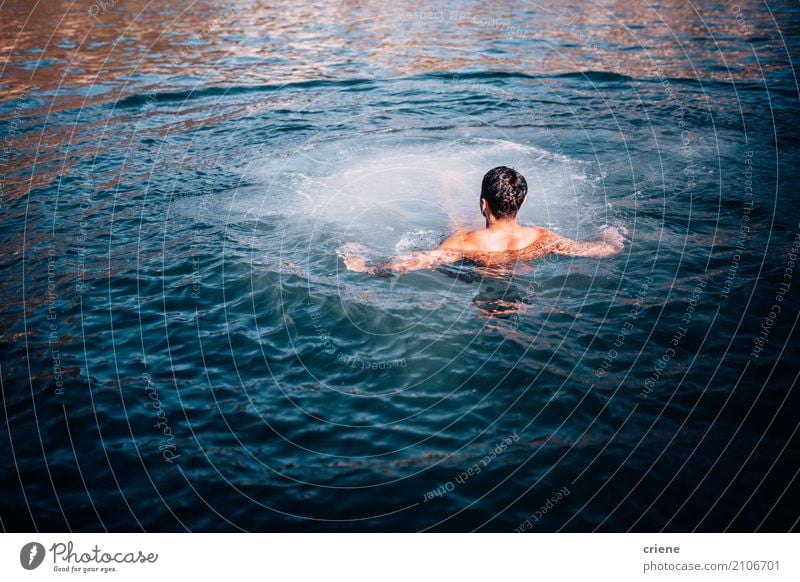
(503, 241)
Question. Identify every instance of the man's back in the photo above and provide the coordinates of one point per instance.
(515, 237)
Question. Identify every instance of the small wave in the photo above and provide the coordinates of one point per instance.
(595, 76)
(141, 99)
(455, 75)
(201, 92)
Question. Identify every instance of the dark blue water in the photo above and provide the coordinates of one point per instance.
(182, 349)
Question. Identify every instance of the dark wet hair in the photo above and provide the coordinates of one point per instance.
(504, 190)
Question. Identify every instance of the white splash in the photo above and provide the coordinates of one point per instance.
(387, 194)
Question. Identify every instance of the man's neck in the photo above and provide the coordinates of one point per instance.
(504, 224)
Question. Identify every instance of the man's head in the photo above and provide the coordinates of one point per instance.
(504, 191)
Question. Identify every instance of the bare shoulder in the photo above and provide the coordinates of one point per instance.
(543, 234)
(463, 240)
(551, 239)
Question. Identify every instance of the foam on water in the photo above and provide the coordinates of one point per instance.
(415, 240)
(405, 196)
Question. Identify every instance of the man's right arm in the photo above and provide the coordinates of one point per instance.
(451, 250)
(610, 243)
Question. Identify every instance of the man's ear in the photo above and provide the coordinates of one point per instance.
(483, 206)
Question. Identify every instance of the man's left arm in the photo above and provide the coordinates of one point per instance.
(610, 243)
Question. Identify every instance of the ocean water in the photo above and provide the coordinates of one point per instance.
(182, 348)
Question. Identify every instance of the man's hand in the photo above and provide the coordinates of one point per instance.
(354, 257)
(613, 237)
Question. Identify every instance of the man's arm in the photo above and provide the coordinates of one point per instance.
(610, 243)
(418, 260)
(449, 251)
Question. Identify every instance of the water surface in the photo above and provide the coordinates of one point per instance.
(182, 349)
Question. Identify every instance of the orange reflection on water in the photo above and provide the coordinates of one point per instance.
(95, 51)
